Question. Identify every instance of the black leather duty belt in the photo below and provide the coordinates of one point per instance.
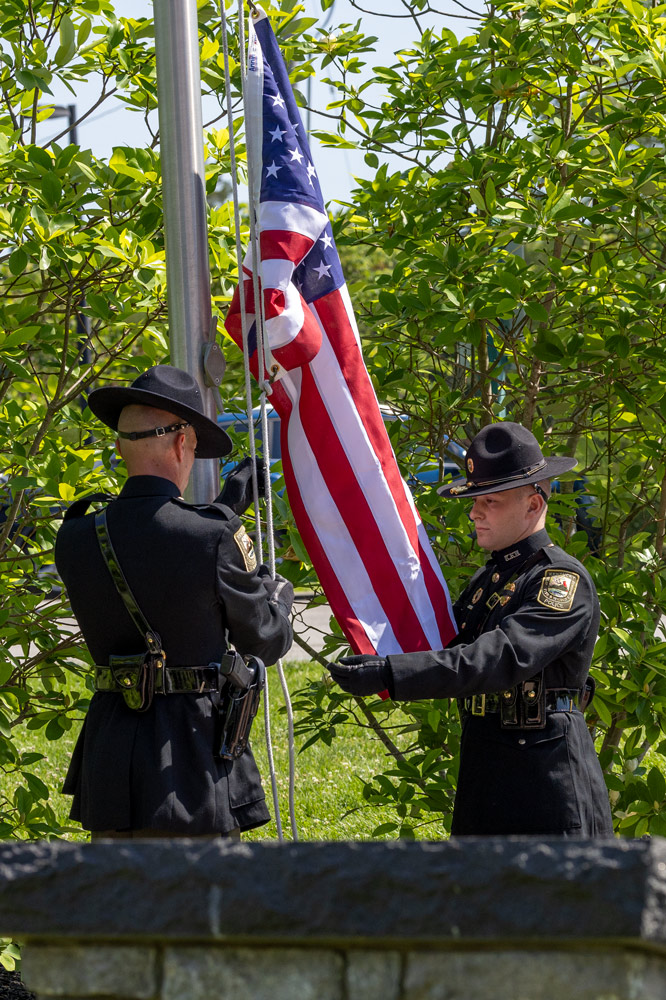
(554, 700)
(177, 680)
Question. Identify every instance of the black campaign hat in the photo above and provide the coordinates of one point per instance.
(501, 457)
(165, 388)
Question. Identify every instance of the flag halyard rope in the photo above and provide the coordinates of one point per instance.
(265, 390)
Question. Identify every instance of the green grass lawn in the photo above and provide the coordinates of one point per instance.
(328, 799)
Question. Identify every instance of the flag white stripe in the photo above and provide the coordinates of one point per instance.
(292, 218)
(333, 534)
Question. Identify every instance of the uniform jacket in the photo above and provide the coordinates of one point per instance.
(531, 608)
(193, 574)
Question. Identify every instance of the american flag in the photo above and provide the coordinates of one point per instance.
(353, 510)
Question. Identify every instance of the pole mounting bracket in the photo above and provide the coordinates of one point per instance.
(214, 365)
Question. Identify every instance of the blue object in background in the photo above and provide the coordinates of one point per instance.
(426, 473)
(237, 423)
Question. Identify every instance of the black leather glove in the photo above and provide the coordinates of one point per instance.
(280, 591)
(237, 490)
(362, 675)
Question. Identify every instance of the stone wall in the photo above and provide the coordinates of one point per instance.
(470, 919)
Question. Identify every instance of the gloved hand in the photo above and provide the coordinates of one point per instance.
(280, 591)
(362, 675)
(237, 490)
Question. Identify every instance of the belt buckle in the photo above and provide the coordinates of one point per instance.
(478, 705)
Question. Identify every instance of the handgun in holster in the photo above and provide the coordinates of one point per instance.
(244, 679)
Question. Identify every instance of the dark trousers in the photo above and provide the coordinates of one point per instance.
(159, 835)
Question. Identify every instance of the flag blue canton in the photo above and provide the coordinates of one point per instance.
(288, 173)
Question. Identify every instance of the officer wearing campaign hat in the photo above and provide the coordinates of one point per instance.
(169, 389)
(527, 625)
(149, 765)
(503, 457)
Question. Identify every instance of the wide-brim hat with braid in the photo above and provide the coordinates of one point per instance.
(165, 388)
(501, 457)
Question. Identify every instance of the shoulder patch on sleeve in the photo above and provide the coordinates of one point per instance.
(244, 543)
(557, 589)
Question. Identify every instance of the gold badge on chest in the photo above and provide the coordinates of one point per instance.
(477, 596)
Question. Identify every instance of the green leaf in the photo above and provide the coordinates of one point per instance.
(384, 828)
(332, 140)
(36, 786)
(536, 311)
(52, 188)
(477, 198)
(5, 728)
(656, 784)
(603, 711)
(67, 46)
(389, 301)
(18, 261)
(618, 344)
(434, 719)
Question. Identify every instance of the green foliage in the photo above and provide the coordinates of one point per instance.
(522, 242)
(510, 266)
(82, 276)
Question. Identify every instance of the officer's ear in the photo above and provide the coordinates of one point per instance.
(536, 503)
(180, 444)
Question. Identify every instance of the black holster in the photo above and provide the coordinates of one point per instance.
(245, 679)
(524, 707)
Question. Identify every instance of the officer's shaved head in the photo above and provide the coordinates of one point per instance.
(145, 418)
(164, 456)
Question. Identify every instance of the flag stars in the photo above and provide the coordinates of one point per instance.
(278, 101)
(324, 270)
(311, 173)
(296, 155)
(326, 240)
(277, 133)
(272, 171)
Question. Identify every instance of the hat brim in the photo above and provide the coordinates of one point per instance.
(108, 402)
(462, 488)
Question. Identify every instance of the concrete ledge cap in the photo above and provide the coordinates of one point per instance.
(382, 894)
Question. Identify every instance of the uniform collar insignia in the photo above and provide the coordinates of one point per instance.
(514, 555)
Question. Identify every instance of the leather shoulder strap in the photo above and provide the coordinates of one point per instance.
(80, 507)
(120, 582)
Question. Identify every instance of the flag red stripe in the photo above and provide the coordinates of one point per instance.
(276, 244)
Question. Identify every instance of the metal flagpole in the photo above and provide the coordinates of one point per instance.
(191, 336)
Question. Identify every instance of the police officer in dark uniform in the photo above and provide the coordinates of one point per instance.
(528, 621)
(192, 572)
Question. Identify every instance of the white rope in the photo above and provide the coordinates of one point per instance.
(263, 368)
(261, 355)
(248, 382)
